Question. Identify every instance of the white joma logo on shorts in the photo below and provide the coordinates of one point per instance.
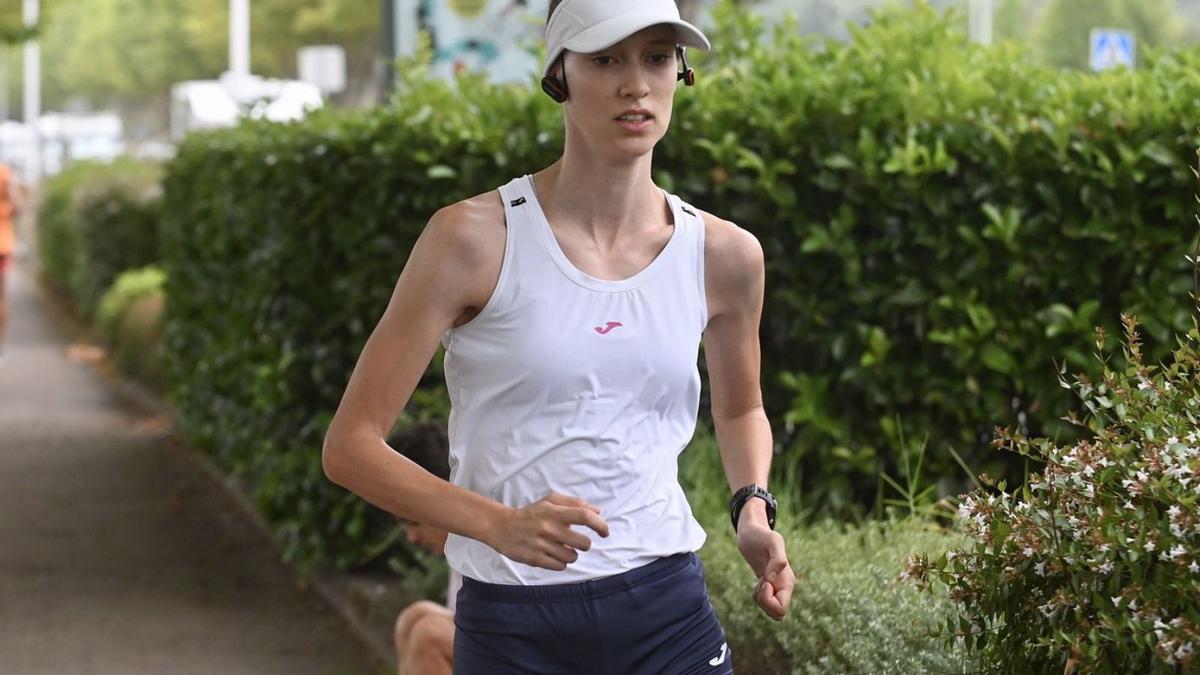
(720, 659)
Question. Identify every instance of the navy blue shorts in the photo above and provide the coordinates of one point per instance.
(653, 619)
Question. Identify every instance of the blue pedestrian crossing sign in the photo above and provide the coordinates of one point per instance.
(1111, 48)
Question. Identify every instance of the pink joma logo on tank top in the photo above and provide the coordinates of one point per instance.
(608, 327)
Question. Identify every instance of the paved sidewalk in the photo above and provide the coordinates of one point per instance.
(117, 554)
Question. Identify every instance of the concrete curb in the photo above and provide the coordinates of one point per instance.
(366, 603)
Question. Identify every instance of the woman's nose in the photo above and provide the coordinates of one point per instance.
(637, 85)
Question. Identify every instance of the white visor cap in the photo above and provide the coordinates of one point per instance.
(587, 26)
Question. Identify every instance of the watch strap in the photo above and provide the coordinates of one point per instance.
(743, 495)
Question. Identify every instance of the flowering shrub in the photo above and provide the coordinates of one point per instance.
(1096, 564)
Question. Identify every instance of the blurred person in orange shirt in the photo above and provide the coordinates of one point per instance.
(12, 202)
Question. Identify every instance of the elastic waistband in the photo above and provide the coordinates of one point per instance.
(593, 588)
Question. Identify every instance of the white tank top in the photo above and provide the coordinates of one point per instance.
(583, 386)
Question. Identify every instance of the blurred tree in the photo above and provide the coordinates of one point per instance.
(1062, 36)
(128, 53)
(280, 27)
(12, 24)
(121, 53)
(1012, 20)
(14, 33)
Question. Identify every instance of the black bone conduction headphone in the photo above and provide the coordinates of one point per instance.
(557, 89)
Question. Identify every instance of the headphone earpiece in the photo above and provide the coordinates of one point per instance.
(688, 75)
(554, 89)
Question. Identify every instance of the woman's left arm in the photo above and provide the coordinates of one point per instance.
(734, 282)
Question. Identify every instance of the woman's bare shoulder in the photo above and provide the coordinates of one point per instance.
(733, 265)
(726, 245)
(473, 224)
(465, 242)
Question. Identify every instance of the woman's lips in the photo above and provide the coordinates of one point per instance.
(635, 125)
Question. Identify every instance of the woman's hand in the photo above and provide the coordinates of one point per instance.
(540, 534)
(764, 549)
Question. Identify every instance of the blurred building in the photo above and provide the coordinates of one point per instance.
(497, 37)
(65, 138)
(208, 104)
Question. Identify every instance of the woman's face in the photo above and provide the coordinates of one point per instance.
(637, 73)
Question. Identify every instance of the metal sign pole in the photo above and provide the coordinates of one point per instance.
(33, 93)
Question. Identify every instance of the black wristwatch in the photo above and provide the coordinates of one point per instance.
(739, 499)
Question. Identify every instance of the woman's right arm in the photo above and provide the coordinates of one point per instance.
(453, 268)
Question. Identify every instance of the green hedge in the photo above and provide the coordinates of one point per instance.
(58, 242)
(97, 221)
(941, 221)
(130, 320)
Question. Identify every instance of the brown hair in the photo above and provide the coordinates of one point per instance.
(553, 6)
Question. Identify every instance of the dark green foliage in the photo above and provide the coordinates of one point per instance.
(58, 240)
(97, 221)
(940, 223)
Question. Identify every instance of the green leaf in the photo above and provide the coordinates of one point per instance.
(441, 171)
(997, 358)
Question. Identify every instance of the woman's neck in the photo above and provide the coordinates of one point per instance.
(604, 200)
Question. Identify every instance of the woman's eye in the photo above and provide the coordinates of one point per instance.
(602, 60)
(660, 59)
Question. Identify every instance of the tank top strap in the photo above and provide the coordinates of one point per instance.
(692, 224)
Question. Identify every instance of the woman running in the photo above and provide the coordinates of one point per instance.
(571, 304)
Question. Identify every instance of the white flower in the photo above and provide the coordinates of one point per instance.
(1129, 505)
(1172, 441)
(1106, 568)
(1194, 567)
(1117, 600)
(1040, 568)
(1143, 385)
(1149, 545)
(1174, 511)
(1028, 552)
